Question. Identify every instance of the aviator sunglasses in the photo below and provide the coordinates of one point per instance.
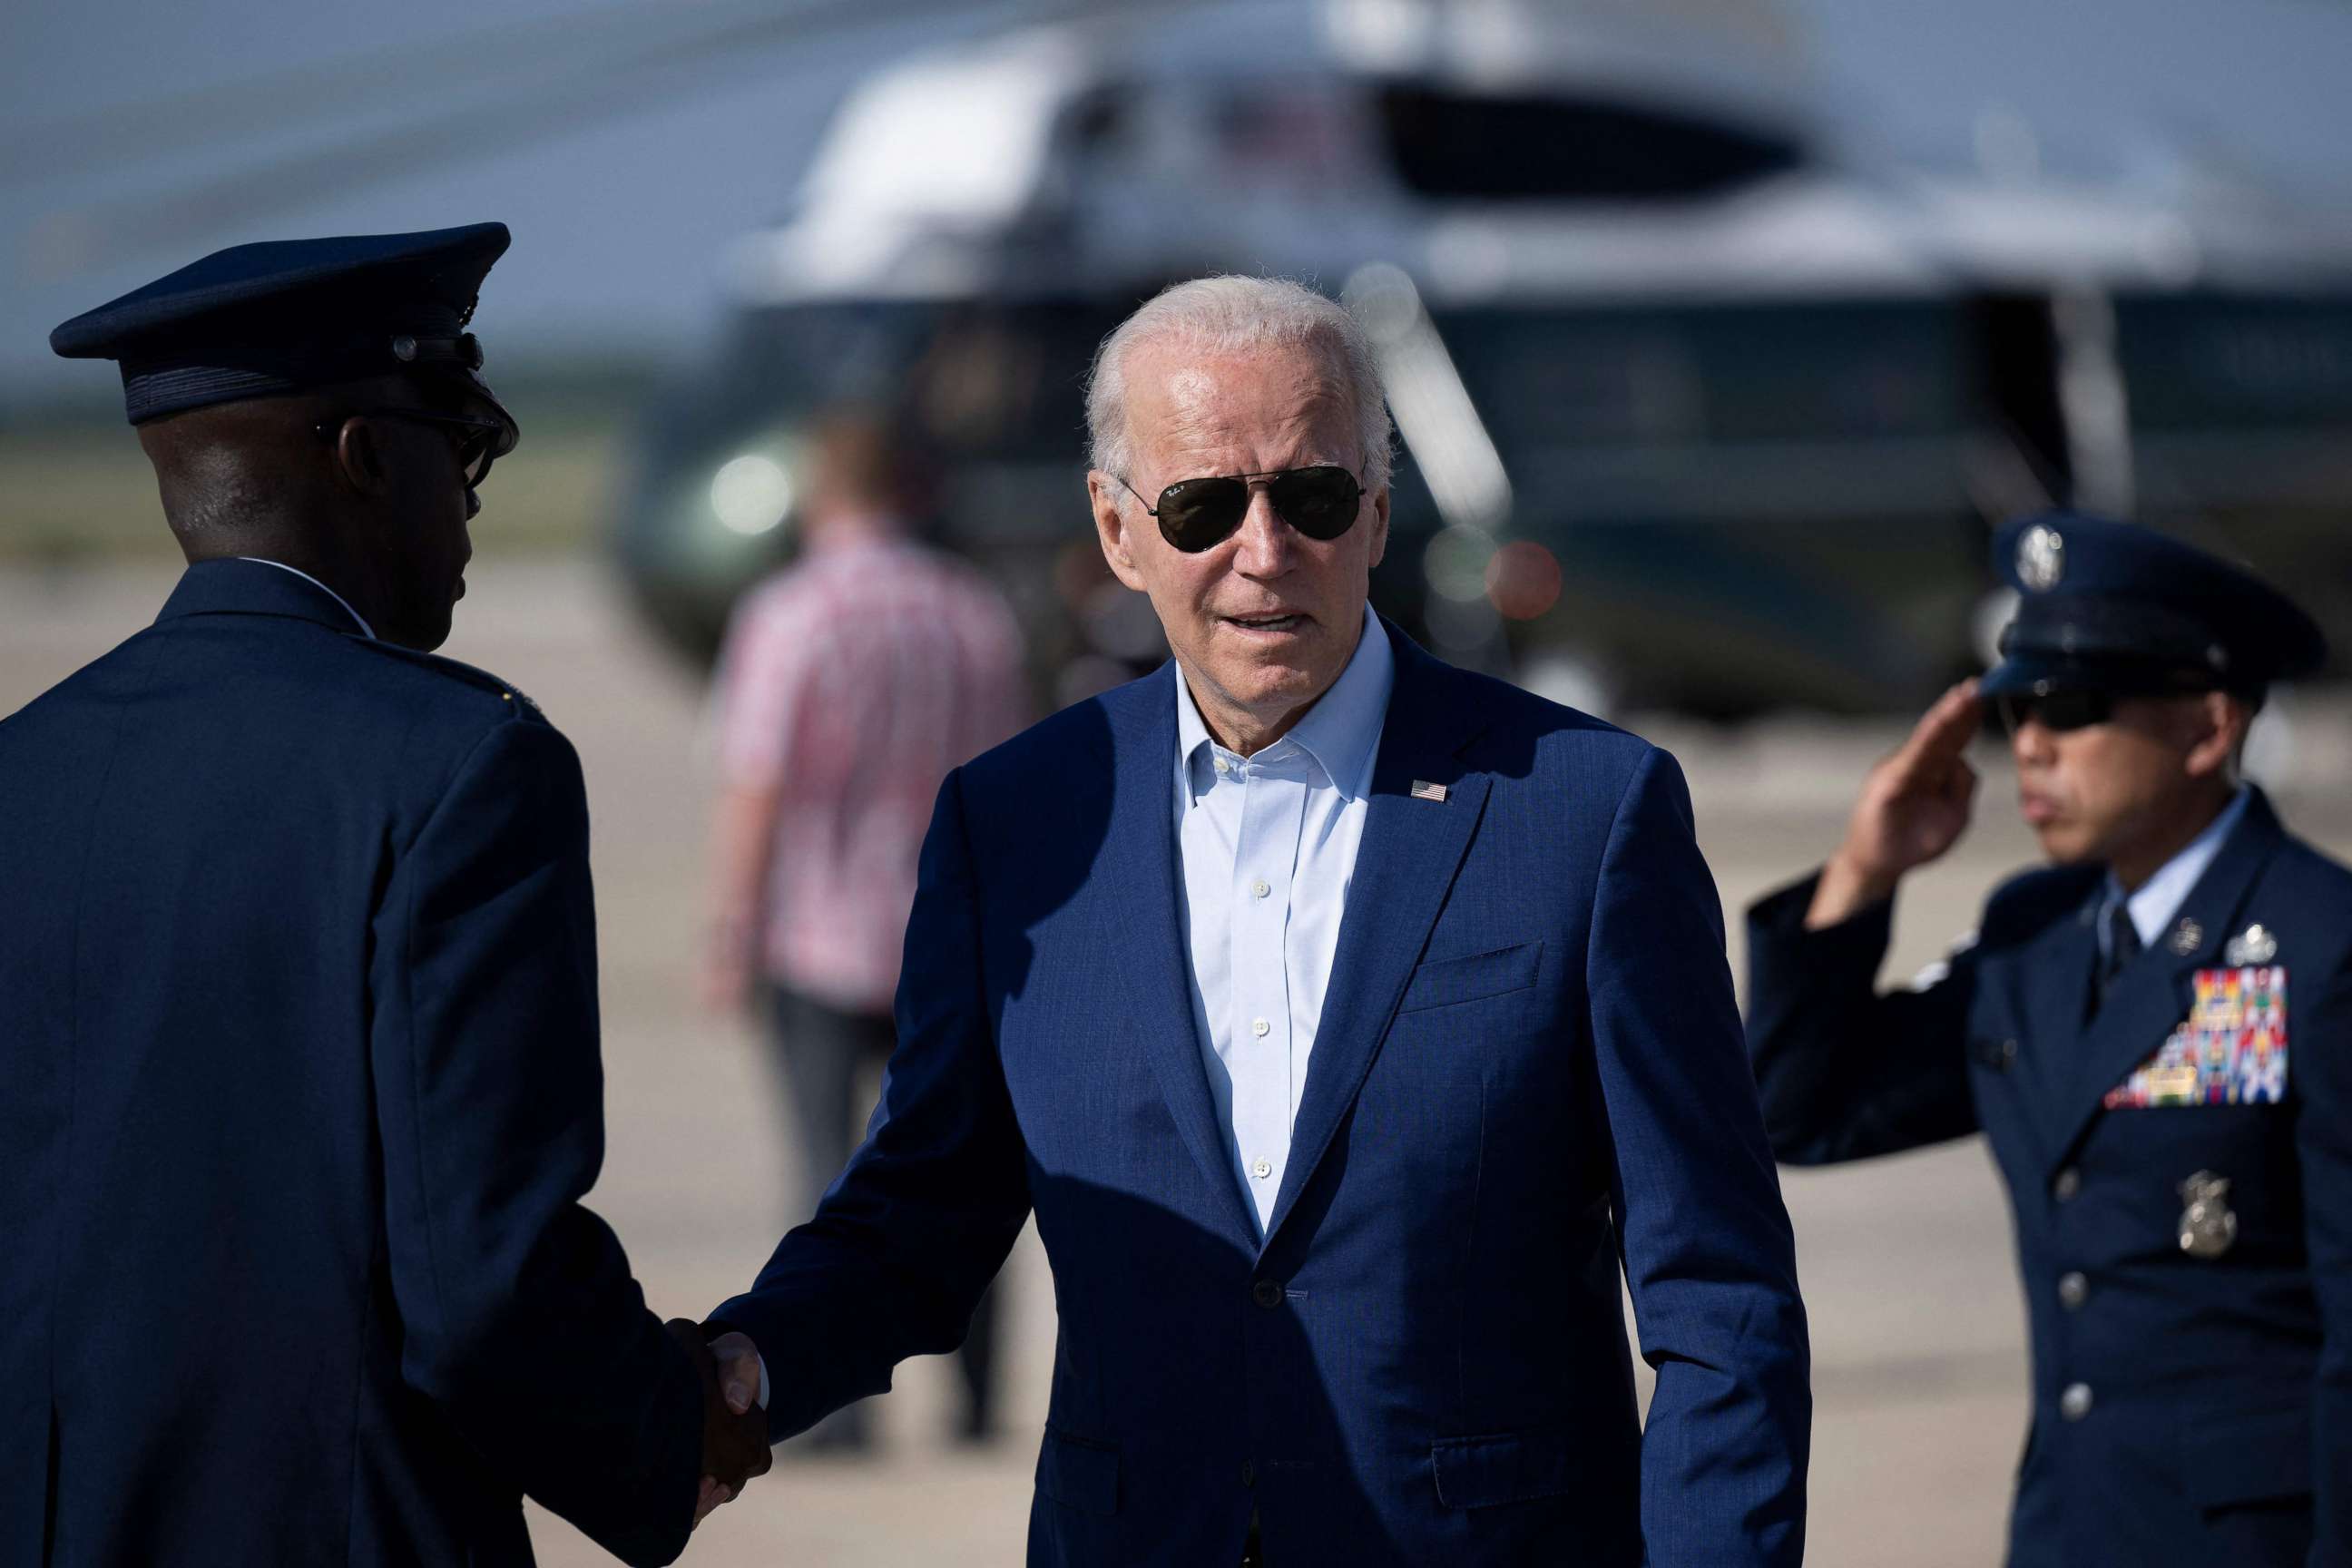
(2060, 711)
(477, 441)
(1196, 514)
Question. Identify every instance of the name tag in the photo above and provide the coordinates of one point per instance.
(2229, 1050)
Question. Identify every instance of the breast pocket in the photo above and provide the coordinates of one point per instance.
(1450, 982)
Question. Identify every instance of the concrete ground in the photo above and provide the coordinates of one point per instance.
(1917, 1323)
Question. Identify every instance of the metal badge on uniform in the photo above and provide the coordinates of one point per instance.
(2188, 937)
(2232, 1049)
(2041, 558)
(2258, 945)
(1424, 790)
(2208, 1226)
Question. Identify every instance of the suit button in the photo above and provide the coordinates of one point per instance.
(1249, 1473)
(2075, 1403)
(1266, 1292)
(2072, 1291)
(2069, 1183)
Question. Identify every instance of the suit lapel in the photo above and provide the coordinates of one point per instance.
(1139, 865)
(2153, 994)
(2058, 981)
(1405, 865)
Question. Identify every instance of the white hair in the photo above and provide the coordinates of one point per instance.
(1230, 315)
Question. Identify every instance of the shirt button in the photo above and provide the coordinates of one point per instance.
(2075, 1403)
(1259, 889)
(1259, 1027)
(2072, 1291)
(1262, 1170)
(2069, 1183)
(1266, 1293)
(1223, 767)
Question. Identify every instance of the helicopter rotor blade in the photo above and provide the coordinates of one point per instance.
(370, 80)
(645, 80)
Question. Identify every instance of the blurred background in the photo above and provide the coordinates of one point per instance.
(1720, 333)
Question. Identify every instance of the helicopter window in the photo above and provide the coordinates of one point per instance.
(1490, 148)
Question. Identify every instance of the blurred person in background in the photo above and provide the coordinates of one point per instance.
(2121, 1028)
(1353, 1026)
(851, 682)
(300, 1089)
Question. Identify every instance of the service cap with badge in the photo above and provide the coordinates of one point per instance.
(285, 316)
(2118, 607)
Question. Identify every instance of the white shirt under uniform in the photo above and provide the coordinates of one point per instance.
(2159, 897)
(1268, 846)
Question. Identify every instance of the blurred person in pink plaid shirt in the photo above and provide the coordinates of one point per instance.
(851, 682)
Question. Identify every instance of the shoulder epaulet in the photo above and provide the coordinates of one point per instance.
(456, 670)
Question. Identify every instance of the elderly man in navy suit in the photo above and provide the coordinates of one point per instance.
(298, 1078)
(1348, 1022)
(2152, 1033)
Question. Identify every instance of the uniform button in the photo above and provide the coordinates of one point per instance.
(1262, 1170)
(2073, 1290)
(1249, 1474)
(1258, 1027)
(2069, 1183)
(2075, 1403)
(1259, 889)
(1266, 1292)
(2008, 1055)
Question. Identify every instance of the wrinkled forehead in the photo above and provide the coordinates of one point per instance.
(1271, 405)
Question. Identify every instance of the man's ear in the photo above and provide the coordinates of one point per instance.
(1380, 524)
(359, 455)
(2221, 721)
(1113, 528)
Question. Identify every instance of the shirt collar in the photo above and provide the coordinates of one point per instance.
(1341, 732)
(2159, 897)
(321, 587)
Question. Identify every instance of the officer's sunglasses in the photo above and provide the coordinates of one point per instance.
(2061, 710)
(476, 440)
(1196, 514)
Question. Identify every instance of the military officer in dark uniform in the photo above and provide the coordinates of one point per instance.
(299, 1088)
(2155, 1034)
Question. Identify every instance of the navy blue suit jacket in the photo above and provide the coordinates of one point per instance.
(1528, 1075)
(299, 1094)
(2215, 1421)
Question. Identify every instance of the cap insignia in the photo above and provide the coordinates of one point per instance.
(2041, 558)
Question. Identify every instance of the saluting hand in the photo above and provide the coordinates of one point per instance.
(1914, 805)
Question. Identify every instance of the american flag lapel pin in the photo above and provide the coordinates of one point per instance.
(1424, 790)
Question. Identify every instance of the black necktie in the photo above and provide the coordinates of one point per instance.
(2123, 946)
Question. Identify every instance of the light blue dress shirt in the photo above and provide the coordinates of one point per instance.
(2159, 897)
(1268, 846)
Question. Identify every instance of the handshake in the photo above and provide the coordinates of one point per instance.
(734, 1419)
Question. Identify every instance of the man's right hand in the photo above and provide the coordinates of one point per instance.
(734, 1437)
(1913, 806)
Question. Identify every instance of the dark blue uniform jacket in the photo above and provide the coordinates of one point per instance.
(2187, 1410)
(299, 1094)
(1528, 1073)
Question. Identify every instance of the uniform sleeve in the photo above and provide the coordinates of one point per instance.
(1708, 1253)
(2323, 1065)
(518, 1313)
(1844, 1072)
(921, 1220)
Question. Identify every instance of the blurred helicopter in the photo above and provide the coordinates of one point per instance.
(1691, 409)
